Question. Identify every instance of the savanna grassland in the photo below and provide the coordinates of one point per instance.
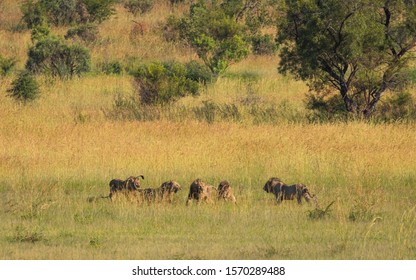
(67, 145)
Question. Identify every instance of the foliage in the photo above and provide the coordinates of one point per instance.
(176, 2)
(218, 39)
(86, 32)
(263, 44)
(112, 67)
(99, 10)
(40, 32)
(53, 57)
(139, 6)
(397, 107)
(24, 88)
(33, 13)
(325, 106)
(171, 29)
(65, 12)
(6, 65)
(161, 83)
(359, 48)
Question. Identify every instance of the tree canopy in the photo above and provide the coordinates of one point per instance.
(358, 48)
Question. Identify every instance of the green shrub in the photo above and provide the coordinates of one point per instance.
(218, 39)
(40, 32)
(99, 10)
(263, 44)
(400, 106)
(60, 12)
(24, 88)
(139, 6)
(112, 67)
(86, 32)
(172, 29)
(33, 13)
(198, 72)
(176, 2)
(53, 57)
(66, 12)
(325, 106)
(161, 83)
(6, 65)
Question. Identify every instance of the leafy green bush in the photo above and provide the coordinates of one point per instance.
(33, 13)
(53, 57)
(24, 88)
(6, 65)
(65, 12)
(139, 6)
(112, 67)
(400, 106)
(218, 39)
(171, 30)
(86, 32)
(263, 44)
(176, 2)
(161, 83)
(99, 10)
(325, 106)
(40, 32)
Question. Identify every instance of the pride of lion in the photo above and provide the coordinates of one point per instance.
(200, 191)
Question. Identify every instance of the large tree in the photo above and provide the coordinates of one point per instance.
(358, 48)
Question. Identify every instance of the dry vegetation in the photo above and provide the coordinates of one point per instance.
(65, 147)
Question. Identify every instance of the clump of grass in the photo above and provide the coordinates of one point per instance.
(23, 234)
(319, 213)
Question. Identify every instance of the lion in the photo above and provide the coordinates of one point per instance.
(125, 186)
(164, 193)
(226, 192)
(283, 191)
(274, 185)
(200, 191)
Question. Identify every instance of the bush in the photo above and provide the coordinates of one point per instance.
(33, 13)
(218, 39)
(171, 30)
(99, 10)
(65, 12)
(6, 65)
(60, 12)
(139, 6)
(113, 67)
(400, 106)
(161, 83)
(86, 32)
(198, 72)
(325, 106)
(263, 44)
(40, 32)
(52, 57)
(24, 88)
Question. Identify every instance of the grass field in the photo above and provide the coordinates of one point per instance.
(65, 147)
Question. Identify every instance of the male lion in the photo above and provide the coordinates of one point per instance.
(282, 191)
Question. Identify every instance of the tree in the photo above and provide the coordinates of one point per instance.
(357, 48)
(216, 36)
